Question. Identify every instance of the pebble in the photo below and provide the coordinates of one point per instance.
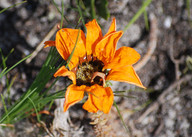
(172, 113)
(167, 22)
(169, 123)
(184, 124)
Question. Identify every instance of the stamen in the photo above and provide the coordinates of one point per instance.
(82, 59)
(89, 58)
(99, 74)
(74, 69)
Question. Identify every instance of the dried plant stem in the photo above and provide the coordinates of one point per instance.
(41, 45)
(101, 127)
(161, 99)
(152, 44)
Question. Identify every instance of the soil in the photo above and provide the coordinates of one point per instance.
(164, 109)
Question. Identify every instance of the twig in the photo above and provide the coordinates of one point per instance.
(159, 129)
(176, 62)
(152, 43)
(7, 125)
(46, 129)
(41, 45)
(161, 99)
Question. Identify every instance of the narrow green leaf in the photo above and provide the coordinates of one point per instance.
(4, 105)
(146, 20)
(138, 14)
(16, 106)
(121, 118)
(38, 118)
(12, 6)
(60, 11)
(93, 12)
(81, 15)
(16, 64)
(101, 6)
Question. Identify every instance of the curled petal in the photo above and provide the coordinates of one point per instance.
(125, 74)
(105, 49)
(112, 28)
(100, 98)
(73, 95)
(123, 56)
(65, 42)
(49, 43)
(94, 35)
(63, 71)
(89, 106)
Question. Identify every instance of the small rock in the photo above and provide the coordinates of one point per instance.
(169, 123)
(167, 22)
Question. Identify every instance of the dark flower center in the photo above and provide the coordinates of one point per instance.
(85, 74)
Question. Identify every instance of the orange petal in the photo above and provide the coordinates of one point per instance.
(65, 42)
(105, 49)
(89, 106)
(123, 56)
(94, 35)
(49, 43)
(125, 74)
(73, 95)
(112, 28)
(63, 71)
(100, 98)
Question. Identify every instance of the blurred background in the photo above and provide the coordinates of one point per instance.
(163, 34)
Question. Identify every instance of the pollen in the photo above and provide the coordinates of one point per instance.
(85, 73)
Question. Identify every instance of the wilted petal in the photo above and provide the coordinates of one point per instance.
(73, 95)
(125, 74)
(49, 43)
(63, 71)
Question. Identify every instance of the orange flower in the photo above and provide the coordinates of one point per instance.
(95, 60)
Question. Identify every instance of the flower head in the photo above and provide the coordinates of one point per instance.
(94, 61)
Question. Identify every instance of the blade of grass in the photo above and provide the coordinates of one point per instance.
(121, 95)
(4, 105)
(138, 14)
(78, 22)
(37, 114)
(188, 7)
(81, 15)
(2, 72)
(146, 20)
(9, 87)
(60, 11)
(4, 66)
(19, 109)
(12, 6)
(15, 65)
(121, 118)
(17, 105)
(93, 13)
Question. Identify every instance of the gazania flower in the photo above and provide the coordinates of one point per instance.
(94, 61)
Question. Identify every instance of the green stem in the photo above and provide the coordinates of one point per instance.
(138, 14)
(81, 15)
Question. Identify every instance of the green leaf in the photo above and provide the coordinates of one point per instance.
(12, 6)
(101, 6)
